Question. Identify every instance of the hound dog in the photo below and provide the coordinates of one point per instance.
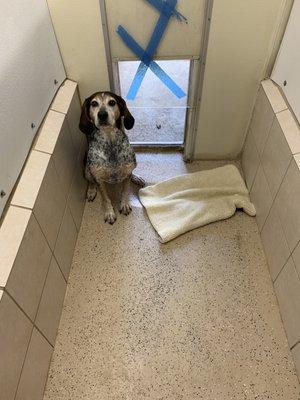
(110, 158)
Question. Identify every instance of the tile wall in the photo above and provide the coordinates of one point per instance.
(271, 164)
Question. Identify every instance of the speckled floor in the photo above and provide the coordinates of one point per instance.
(196, 318)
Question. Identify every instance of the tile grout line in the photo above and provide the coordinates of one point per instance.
(264, 145)
(52, 251)
(59, 112)
(44, 284)
(294, 345)
(279, 219)
(269, 131)
(27, 316)
(27, 349)
(275, 196)
(281, 269)
(259, 163)
(25, 357)
(283, 324)
(23, 364)
(281, 111)
(267, 93)
(22, 207)
(44, 152)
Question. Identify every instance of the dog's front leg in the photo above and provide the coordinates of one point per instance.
(124, 205)
(109, 214)
(92, 187)
(92, 191)
(138, 180)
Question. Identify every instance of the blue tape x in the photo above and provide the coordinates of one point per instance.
(167, 9)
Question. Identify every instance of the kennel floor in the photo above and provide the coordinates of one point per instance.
(195, 318)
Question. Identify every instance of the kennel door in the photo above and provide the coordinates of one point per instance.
(139, 17)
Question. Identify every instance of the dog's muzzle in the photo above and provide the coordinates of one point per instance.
(102, 116)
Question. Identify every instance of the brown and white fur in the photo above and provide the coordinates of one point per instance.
(110, 158)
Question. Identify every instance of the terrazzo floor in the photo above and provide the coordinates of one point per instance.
(195, 318)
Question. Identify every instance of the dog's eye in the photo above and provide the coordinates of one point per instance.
(111, 103)
(94, 103)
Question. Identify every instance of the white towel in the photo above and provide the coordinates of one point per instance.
(186, 202)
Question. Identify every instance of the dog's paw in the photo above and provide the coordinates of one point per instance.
(125, 209)
(91, 194)
(110, 217)
(137, 180)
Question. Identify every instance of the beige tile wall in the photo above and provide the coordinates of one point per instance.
(271, 164)
(37, 241)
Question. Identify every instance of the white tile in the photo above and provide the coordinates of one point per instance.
(276, 158)
(15, 331)
(63, 98)
(35, 370)
(65, 244)
(287, 204)
(261, 197)
(55, 138)
(274, 242)
(274, 95)
(250, 160)
(287, 288)
(12, 232)
(26, 280)
(49, 132)
(31, 180)
(67, 101)
(51, 304)
(290, 130)
(262, 120)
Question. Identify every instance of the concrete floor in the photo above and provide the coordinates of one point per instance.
(159, 114)
(195, 318)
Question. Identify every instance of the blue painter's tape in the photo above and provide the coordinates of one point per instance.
(165, 78)
(163, 7)
(150, 51)
(138, 79)
(139, 52)
(167, 9)
(160, 29)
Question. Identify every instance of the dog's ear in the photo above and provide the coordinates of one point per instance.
(85, 125)
(128, 118)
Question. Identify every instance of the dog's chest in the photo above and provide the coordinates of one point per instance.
(110, 157)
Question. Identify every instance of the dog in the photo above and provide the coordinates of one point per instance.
(110, 158)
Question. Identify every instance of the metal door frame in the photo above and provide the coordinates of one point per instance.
(196, 80)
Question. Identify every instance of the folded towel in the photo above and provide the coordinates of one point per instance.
(186, 202)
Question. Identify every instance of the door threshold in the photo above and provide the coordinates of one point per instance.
(157, 146)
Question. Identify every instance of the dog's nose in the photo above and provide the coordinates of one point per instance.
(102, 115)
